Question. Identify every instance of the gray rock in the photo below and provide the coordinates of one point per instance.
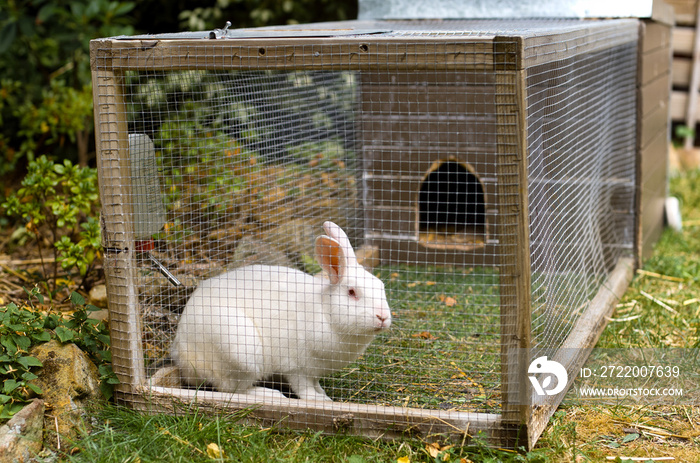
(98, 296)
(21, 438)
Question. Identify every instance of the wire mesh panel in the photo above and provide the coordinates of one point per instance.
(363, 232)
(581, 203)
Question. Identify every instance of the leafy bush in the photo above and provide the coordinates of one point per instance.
(46, 97)
(58, 202)
(21, 328)
(256, 13)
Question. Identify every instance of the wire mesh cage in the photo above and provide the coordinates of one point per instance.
(474, 183)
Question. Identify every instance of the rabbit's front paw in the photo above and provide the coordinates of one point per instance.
(308, 389)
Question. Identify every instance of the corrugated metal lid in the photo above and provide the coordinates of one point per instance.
(488, 9)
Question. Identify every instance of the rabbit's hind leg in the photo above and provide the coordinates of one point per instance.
(241, 354)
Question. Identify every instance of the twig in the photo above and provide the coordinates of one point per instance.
(661, 303)
(659, 276)
(58, 435)
(687, 415)
(656, 430)
(361, 389)
(12, 272)
(27, 261)
(642, 458)
(626, 319)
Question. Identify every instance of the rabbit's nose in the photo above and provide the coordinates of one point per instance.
(383, 320)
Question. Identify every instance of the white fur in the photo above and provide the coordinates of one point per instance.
(254, 322)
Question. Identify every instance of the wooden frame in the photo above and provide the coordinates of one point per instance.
(507, 57)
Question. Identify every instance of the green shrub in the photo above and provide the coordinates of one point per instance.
(58, 202)
(21, 328)
(46, 97)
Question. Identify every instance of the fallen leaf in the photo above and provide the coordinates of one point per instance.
(214, 452)
(450, 301)
(433, 449)
(424, 335)
(403, 460)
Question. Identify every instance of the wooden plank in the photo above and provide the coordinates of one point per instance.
(541, 48)
(653, 92)
(654, 35)
(396, 249)
(428, 52)
(414, 162)
(652, 209)
(438, 52)
(680, 70)
(373, 421)
(655, 64)
(442, 100)
(678, 104)
(428, 131)
(684, 11)
(654, 158)
(653, 124)
(691, 109)
(469, 77)
(584, 335)
(683, 38)
(653, 186)
(112, 147)
(513, 227)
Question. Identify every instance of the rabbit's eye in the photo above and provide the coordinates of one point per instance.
(352, 293)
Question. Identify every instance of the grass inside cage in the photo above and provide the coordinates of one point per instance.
(443, 327)
(446, 322)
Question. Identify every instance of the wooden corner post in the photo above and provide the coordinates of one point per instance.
(112, 146)
(513, 235)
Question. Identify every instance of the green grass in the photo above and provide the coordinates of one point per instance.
(576, 433)
(125, 436)
(443, 349)
(662, 306)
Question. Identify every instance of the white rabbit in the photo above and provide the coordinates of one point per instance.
(255, 322)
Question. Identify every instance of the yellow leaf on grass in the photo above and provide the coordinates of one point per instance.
(433, 449)
(450, 301)
(403, 460)
(424, 335)
(214, 451)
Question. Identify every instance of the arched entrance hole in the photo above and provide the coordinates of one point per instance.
(451, 207)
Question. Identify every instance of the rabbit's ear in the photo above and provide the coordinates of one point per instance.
(331, 257)
(337, 233)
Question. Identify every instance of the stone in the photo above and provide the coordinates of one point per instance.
(21, 438)
(98, 296)
(70, 383)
